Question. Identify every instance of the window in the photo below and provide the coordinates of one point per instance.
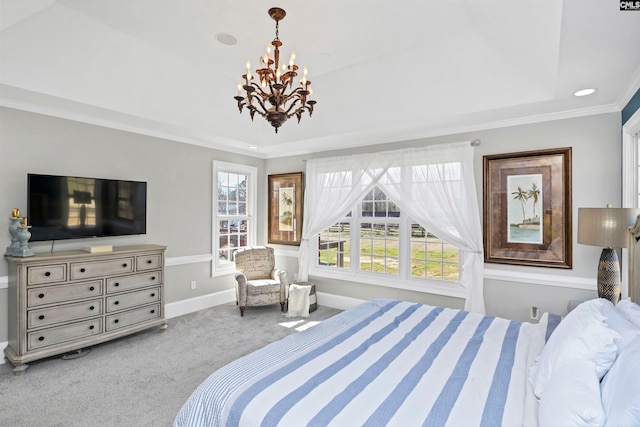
(234, 204)
(381, 240)
(362, 214)
(631, 162)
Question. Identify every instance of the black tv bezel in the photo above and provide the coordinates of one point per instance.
(84, 237)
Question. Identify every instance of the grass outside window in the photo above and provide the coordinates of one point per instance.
(431, 258)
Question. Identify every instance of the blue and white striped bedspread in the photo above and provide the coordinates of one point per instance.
(384, 362)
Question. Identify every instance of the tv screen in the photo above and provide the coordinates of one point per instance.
(65, 207)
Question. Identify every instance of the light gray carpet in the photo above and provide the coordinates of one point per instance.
(143, 379)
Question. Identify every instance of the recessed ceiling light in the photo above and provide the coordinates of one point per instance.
(226, 39)
(584, 92)
(253, 147)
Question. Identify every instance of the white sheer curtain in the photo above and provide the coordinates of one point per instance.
(333, 187)
(433, 185)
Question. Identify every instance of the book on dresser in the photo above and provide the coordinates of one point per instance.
(66, 301)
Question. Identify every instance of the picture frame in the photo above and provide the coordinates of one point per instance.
(527, 208)
(285, 208)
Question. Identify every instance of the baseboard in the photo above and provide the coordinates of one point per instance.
(190, 305)
(337, 301)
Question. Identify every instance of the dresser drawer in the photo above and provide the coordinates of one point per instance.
(65, 333)
(63, 313)
(46, 274)
(148, 262)
(134, 281)
(132, 299)
(85, 269)
(131, 317)
(63, 293)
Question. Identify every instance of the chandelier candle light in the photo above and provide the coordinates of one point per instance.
(268, 97)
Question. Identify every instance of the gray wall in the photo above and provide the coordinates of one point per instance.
(179, 178)
(596, 152)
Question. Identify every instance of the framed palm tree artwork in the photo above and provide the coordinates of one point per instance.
(527, 208)
(285, 208)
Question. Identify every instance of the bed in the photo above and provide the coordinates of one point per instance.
(389, 362)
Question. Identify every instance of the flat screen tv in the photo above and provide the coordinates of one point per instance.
(69, 207)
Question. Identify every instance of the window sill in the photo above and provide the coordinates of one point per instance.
(436, 287)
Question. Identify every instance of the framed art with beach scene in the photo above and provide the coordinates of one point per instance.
(285, 208)
(527, 208)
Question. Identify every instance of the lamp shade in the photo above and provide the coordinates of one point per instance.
(605, 227)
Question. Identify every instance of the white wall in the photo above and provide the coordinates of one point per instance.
(510, 291)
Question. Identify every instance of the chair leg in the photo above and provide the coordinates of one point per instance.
(241, 311)
(281, 306)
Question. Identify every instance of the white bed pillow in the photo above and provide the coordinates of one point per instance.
(572, 397)
(630, 311)
(581, 335)
(621, 388)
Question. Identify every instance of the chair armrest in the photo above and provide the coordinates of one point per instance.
(281, 276)
(240, 277)
(241, 287)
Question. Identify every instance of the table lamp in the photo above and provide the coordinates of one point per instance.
(608, 228)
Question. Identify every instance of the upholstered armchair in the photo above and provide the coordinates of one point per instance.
(258, 282)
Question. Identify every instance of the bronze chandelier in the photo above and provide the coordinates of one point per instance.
(273, 96)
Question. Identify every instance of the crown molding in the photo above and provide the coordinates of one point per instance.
(337, 142)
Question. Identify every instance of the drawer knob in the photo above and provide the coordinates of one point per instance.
(153, 277)
(41, 317)
(92, 308)
(40, 295)
(48, 273)
(116, 302)
(116, 321)
(82, 270)
(153, 294)
(116, 284)
(149, 261)
(124, 265)
(91, 327)
(153, 311)
(40, 338)
(92, 288)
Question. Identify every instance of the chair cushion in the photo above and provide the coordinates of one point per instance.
(263, 292)
(266, 286)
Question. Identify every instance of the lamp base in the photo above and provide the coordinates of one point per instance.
(609, 276)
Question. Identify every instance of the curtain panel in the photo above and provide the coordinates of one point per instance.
(433, 185)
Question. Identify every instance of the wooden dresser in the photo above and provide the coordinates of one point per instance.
(66, 301)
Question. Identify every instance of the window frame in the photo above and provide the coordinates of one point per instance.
(403, 280)
(630, 162)
(630, 180)
(220, 267)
